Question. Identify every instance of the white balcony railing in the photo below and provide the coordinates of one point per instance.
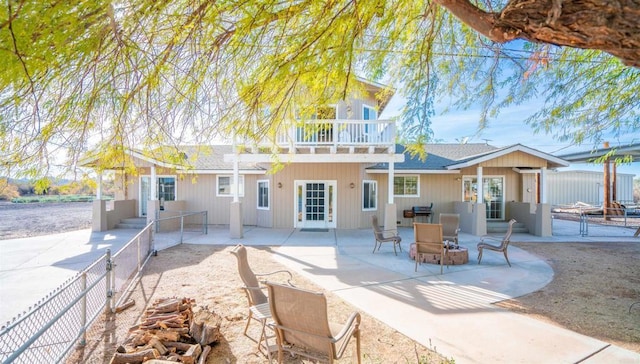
(340, 133)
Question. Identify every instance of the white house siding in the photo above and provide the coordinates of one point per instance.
(569, 187)
(199, 191)
(348, 201)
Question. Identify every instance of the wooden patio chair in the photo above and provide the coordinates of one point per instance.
(450, 227)
(428, 240)
(301, 323)
(502, 247)
(384, 236)
(256, 297)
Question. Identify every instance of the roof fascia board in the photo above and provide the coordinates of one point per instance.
(413, 171)
(314, 158)
(223, 171)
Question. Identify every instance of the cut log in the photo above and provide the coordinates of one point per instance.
(183, 347)
(163, 334)
(125, 305)
(191, 356)
(134, 358)
(204, 355)
(205, 327)
(156, 344)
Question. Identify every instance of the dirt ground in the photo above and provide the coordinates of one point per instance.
(19, 220)
(209, 274)
(595, 291)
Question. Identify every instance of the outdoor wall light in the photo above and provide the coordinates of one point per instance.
(528, 190)
(279, 184)
(458, 179)
(352, 185)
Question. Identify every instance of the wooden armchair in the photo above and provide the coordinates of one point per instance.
(502, 247)
(302, 326)
(384, 236)
(428, 239)
(257, 299)
(450, 227)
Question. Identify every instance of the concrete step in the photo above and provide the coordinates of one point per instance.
(132, 223)
(495, 227)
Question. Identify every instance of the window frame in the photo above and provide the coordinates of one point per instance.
(417, 194)
(267, 184)
(231, 184)
(367, 198)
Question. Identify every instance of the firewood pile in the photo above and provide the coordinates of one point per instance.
(170, 332)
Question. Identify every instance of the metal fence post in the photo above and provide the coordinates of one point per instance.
(181, 227)
(108, 278)
(83, 309)
(139, 260)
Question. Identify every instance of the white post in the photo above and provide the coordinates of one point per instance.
(99, 188)
(391, 178)
(153, 183)
(543, 185)
(236, 181)
(390, 214)
(480, 186)
(235, 211)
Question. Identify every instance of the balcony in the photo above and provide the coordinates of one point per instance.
(340, 134)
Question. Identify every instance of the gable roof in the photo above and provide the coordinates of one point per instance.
(187, 158)
(449, 158)
(376, 88)
(554, 162)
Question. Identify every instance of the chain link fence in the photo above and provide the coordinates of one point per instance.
(54, 325)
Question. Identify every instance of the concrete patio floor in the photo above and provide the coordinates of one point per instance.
(452, 313)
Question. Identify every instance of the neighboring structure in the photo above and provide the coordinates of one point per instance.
(336, 173)
(570, 187)
(607, 156)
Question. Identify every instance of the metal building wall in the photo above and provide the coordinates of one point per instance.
(569, 187)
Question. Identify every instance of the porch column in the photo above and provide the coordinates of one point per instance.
(152, 204)
(99, 187)
(390, 213)
(99, 209)
(479, 215)
(543, 185)
(235, 210)
(480, 186)
(543, 225)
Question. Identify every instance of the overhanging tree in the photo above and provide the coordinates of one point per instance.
(110, 75)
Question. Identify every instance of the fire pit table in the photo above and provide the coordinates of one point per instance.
(457, 256)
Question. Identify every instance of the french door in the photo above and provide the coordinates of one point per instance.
(315, 204)
(493, 194)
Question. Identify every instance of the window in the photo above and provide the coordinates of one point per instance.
(369, 113)
(369, 195)
(406, 186)
(263, 195)
(166, 188)
(226, 186)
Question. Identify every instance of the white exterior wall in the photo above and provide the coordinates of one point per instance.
(569, 187)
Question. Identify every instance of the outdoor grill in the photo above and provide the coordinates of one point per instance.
(421, 210)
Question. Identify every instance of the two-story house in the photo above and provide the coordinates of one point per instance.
(337, 171)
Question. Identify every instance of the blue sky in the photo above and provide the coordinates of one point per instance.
(507, 129)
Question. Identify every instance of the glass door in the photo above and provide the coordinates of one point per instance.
(493, 194)
(144, 195)
(315, 202)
